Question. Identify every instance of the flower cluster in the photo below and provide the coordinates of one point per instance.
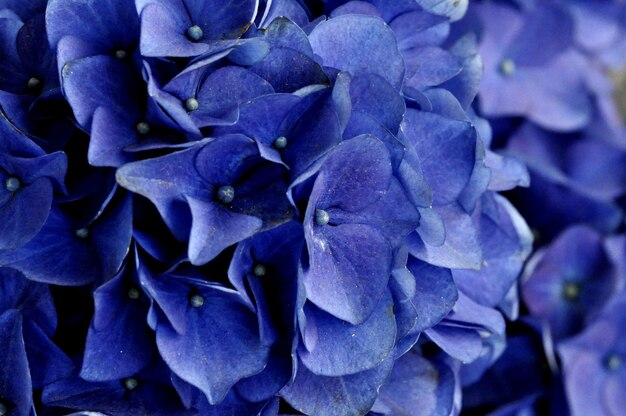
(245, 208)
(548, 94)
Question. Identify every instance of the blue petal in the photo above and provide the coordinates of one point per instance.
(220, 345)
(336, 396)
(15, 383)
(227, 88)
(153, 397)
(355, 175)
(359, 44)
(465, 85)
(46, 361)
(112, 232)
(263, 386)
(31, 298)
(313, 127)
(454, 9)
(119, 343)
(139, 177)
(507, 172)
(219, 93)
(418, 387)
(348, 279)
(535, 44)
(367, 91)
(25, 213)
(102, 81)
(435, 139)
(417, 29)
(506, 243)
(110, 134)
(39, 259)
(461, 333)
(25, 210)
(460, 343)
(430, 66)
(338, 348)
(402, 287)
(461, 249)
(13, 78)
(435, 293)
(291, 9)
(196, 401)
(392, 215)
(214, 228)
(356, 7)
(163, 31)
(303, 70)
(107, 24)
(164, 24)
(261, 119)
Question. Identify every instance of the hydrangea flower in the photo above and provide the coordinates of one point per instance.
(570, 281)
(570, 135)
(266, 209)
(593, 363)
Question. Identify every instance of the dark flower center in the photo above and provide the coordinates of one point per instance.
(13, 184)
(82, 233)
(507, 67)
(133, 293)
(143, 128)
(195, 33)
(321, 217)
(226, 194)
(130, 383)
(191, 104)
(259, 270)
(571, 291)
(120, 54)
(613, 362)
(33, 83)
(280, 143)
(196, 301)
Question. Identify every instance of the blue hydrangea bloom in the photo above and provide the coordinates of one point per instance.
(593, 363)
(570, 135)
(268, 210)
